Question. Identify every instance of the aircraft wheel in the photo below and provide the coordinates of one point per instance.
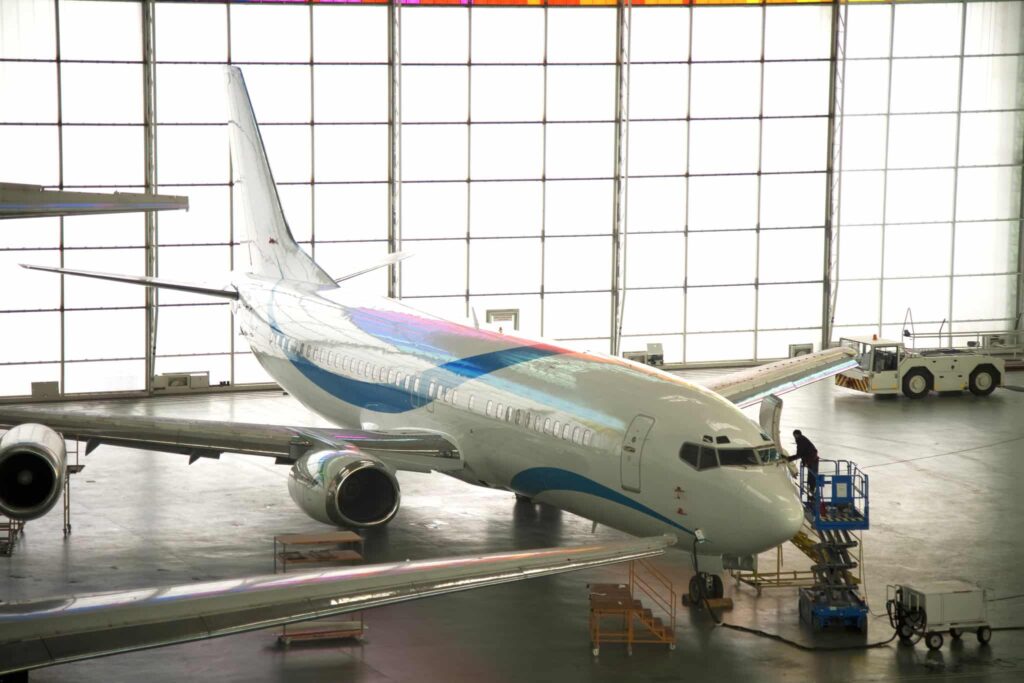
(983, 380)
(984, 635)
(917, 383)
(933, 640)
(717, 587)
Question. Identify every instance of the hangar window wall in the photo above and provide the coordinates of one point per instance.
(508, 171)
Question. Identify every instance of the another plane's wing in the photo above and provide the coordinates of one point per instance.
(410, 450)
(60, 630)
(750, 386)
(32, 201)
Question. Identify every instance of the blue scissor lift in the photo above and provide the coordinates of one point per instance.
(839, 506)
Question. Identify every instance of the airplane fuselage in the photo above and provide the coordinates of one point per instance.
(592, 434)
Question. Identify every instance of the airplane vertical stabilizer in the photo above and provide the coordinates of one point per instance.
(272, 249)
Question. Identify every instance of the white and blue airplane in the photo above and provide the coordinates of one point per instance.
(617, 442)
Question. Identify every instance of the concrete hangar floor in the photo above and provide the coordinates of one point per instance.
(945, 504)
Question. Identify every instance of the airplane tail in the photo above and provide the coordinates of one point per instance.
(272, 249)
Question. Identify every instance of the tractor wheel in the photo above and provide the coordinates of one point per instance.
(917, 383)
(984, 380)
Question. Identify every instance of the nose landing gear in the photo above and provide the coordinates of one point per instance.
(706, 585)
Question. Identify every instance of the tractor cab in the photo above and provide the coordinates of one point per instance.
(878, 364)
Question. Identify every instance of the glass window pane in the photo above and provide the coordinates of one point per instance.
(193, 329)
(781, 306)
(103, 156)
(867, 31)
(866, 88)
(38, 338)
(723, 203)
(434, 152)
(577, 263)
(985, 248)
(860, 251)
(726, 33)
(864, 142)
(862, 197)
(577, 316)
(725, 90)
(922, 141)
(428, 209)
(113, 230)
(715, 309)
(101, 30)
(268, 33)
(988, 193)
(30, 154)
(504, 265)
(528, 305)
(653, 311)
(435, 93)
(27, 30)
(349, 257)
(794, 145)
(99, 376)
(89, 293)
(192, 154)
(927, 298)
(776, 344)
(919, 196)
(580, 150)
(729, 346)
(659, 34)
(346, 33)
(82, 343)
(350, 93)
(279, 94)
(206, 221)
(671, 345)
(191, 32)
(796, 89)
(720, 258)
(917, 250)
(926, 30)
(658, 90)
(507, 93)
(29, 91)
(184, 263)
(219, 367)
(435, 35)
(655, 260)
(37, 233)
(724, 146)
(993, 28)
(506, 151)
(578, 207)
(657, 147)
(581, 35)
(988, 297)
(421, 274)
(656, 204)
(790, 201)
(924, 85)
(581, 93)
(29, 289)
(351, 152)
(187, 93)
(296, 202)
(798, 32)
(987, 139)
(16, 380)
(288, 152)
(990, 83)
(248, 370)
(857, 304)
(500, 35)
(354, 212)
(791, 255)
(505, 209)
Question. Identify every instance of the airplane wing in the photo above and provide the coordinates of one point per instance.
(223, 292)
(750, 386)
(388, 260)
(60, 630)
(410, 450)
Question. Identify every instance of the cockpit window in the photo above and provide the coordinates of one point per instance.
(697, 456)
(721, 439)
(737, 457)
(768, 455)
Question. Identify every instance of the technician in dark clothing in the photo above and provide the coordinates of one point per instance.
(807, 454)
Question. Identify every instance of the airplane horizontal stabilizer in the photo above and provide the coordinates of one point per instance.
(390, 259)
(223, 292)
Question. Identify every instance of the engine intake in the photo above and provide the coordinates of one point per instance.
(33, 458)
(345, 488)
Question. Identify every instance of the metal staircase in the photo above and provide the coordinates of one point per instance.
(617, 614)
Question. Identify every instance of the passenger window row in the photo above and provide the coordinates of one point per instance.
(437, 390)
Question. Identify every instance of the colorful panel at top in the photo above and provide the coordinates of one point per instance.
(566, 3)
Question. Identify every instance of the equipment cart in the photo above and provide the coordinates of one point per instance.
(930, 610)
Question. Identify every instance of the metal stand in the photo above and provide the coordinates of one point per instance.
(70, 469)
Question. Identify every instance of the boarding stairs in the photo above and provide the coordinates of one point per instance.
(618, 613)
(10, 529)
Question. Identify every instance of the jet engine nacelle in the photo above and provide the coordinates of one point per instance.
(345, 488)
(32, 462)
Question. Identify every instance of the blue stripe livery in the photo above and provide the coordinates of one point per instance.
(537, 480)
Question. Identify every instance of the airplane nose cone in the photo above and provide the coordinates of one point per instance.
(777, 513)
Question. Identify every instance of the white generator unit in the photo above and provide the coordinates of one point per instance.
(929, 610)
(886, 367)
